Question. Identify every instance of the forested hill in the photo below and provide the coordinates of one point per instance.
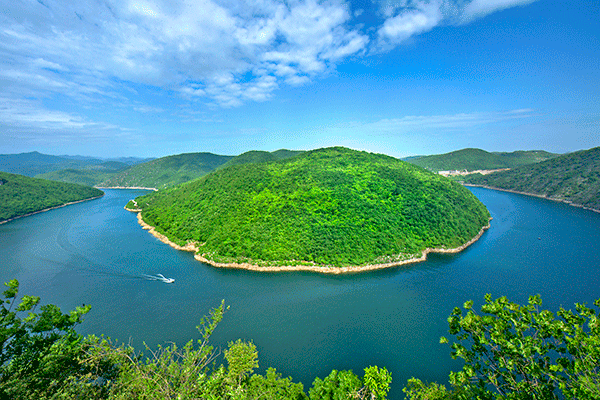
(20, 195)
(167, 171)
(477, 159)
(331, 206)
(90, 175)
(255, 156)
(573, 177)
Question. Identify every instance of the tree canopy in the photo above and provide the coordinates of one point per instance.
(331, 206)
(20, 195)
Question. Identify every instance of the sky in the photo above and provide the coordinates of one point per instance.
(150, 78)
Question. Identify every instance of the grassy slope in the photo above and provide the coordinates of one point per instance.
(474, 159)
(572, 177)
(167, 171)
(20, 195)
(332, 206)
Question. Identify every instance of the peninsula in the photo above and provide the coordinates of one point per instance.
(326, 210)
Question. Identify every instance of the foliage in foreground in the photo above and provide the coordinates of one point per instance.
(42, 357)
(510, 352)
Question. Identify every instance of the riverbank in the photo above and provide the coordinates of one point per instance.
(312, 268)
(534, 195)
(50, 208)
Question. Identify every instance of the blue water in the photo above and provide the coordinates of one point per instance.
(303, 324)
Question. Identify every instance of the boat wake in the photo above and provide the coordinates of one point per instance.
(159, 277)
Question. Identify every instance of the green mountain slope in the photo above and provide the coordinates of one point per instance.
(331, 206)
(34, 163)
(257, 156)
(90, 175)
(20, 195)
(167, 171)
(573, 177)
(474, 159)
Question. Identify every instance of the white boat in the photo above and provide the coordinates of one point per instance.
(165, 280)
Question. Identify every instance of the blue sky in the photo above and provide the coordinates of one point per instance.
(407, 77)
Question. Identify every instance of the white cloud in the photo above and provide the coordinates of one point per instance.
(89, 49)
(481, 8)
(411, 21)
(32, 116)
(414, 123)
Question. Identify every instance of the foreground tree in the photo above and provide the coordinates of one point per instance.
(41, 354)
(513, 351)
(42, 357)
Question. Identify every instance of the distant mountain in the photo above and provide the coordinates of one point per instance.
(21, 195)
(256, 156)
(166, 171)
(35, 163)
(573, 177)
(477, 159)
(90, 175)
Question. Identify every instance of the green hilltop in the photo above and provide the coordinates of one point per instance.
(477, 159)
(573, 177)
(21, 195)
(257, 156)
(327, 207)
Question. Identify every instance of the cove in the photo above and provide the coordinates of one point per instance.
(303, 324)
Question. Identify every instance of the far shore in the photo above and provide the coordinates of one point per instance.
(126, 187)
(313, 268)
(534, 195)
(48, 209)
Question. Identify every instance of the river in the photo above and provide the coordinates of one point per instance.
(303, 324)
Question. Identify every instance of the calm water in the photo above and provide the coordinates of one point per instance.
(303, 324)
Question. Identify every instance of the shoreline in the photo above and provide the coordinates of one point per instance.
(126, 187)
(534, 195)
(312, 268)
(50, 208)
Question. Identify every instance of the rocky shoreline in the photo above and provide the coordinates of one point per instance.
(312, 268)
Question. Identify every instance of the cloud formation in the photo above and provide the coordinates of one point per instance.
(220, 51)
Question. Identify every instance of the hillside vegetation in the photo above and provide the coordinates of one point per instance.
(90, 175)
(20, 195)
(159, 173)
(167, 171)
(256, 156)
(477, 159)
(331, 206)
(573, 177)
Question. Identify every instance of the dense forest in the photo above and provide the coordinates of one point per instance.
(166, 171)
(20, 195)
(330, 207)
(510, 351)
(573, 177)
(477, 159)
